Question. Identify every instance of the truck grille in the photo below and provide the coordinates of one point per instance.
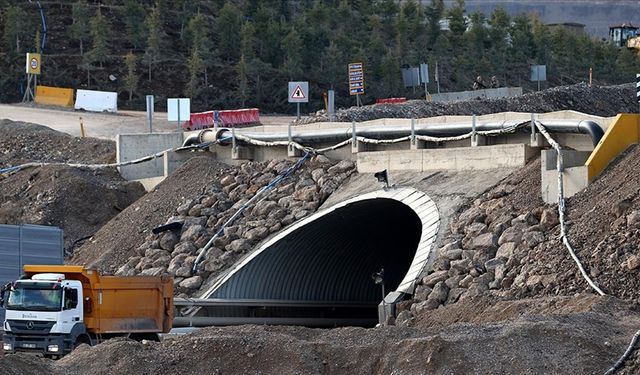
(37, 327)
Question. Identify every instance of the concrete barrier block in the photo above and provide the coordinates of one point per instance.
(59, 96)
(97, 101)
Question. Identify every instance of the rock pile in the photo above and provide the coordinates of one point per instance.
(597, 100)
(506, 245)
(174, 252)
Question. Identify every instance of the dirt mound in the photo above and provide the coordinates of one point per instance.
(24, 364)
(116, 242)
(77, 200)
(22, 142)
(585, 335)
(596, 100)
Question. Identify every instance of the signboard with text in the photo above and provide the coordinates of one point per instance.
(356, 79)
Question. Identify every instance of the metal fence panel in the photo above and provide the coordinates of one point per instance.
(27, 244)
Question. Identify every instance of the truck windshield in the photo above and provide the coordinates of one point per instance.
(35, 297)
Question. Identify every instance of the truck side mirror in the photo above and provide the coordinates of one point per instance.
(3, 290)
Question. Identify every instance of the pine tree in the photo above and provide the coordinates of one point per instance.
(131, 79)
(79, 29)
(292, 46)
(228, 30)
(134, 23)
(99, 36)
(201, 40)
(16, 28)
(243, 80)
(154, 39)
(195, 66)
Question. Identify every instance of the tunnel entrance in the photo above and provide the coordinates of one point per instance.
(319, 271)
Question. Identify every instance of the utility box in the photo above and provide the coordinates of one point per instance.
(27, 244)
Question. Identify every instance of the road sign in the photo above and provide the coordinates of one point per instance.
(178, 109)
(356, 79)
(33, 63)
(299, 92)
(424, 73)
(538, 73)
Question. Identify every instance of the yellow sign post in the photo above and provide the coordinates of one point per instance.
(33, 64)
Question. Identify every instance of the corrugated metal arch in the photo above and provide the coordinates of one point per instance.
(330, 256)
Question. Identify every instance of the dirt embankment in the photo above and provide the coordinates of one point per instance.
(583, 334)
(78, 200)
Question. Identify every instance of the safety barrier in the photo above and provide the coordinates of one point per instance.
(47, 95)
(97, 101)
(622, 133)
(391, 100)
(225, 118)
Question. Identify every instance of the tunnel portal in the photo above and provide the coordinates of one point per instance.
(319, 271)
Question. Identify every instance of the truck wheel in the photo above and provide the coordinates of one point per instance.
(82, 339)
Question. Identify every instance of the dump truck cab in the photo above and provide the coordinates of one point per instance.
(53, 309)
(44, 315)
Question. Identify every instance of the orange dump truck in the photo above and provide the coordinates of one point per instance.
(53, 309)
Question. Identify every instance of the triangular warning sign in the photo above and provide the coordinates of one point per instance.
(298, 93)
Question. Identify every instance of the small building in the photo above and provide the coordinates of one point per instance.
(618, 35)
(570, 27)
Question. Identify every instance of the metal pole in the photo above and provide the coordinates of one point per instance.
(298, 111)
(150, 111)
(178, 114)
(473, 130)
(413, 131)
(438, 77)
(353, 134)
(538, 69)
(426, 93)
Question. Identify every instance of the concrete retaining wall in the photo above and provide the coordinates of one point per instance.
(134, 146)
(502, 92)
(467, 158)
(575, 174)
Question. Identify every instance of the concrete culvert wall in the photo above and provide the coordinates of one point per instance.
(333, 257)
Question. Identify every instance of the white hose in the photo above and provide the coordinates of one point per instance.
(561, 207)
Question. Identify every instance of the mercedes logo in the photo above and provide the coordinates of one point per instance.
(30, 325)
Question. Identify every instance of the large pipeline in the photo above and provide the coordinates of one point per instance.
(224, 136)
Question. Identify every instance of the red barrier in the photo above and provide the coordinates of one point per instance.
(226, 118)
(391, 101)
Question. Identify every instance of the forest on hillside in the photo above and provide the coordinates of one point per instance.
(238, 54)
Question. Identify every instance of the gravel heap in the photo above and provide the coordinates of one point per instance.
(506, 245)
(173, 252)
(22, 142)
(596, 100)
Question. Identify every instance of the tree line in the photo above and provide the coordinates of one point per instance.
(231, 54)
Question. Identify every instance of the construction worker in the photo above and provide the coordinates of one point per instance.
(479, 84)
(494, 82)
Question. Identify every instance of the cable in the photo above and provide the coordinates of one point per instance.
(561, 206)
(112, 165)
(624, 357)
